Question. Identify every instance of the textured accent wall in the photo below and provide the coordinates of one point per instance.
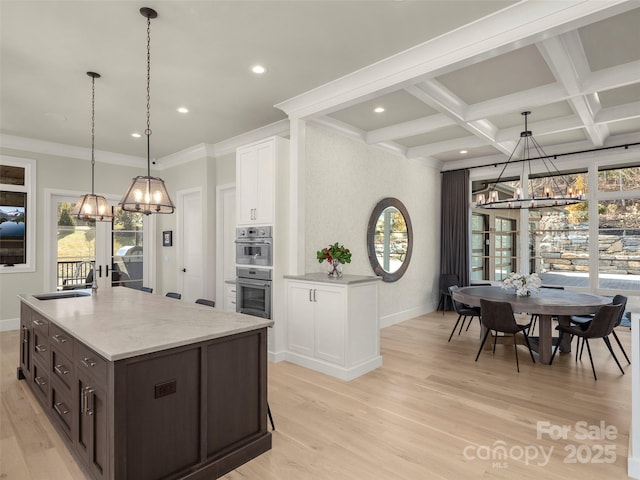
(345, 179)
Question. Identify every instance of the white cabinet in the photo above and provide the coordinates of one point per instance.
(255, 182)
(230, 297)
(333, 325)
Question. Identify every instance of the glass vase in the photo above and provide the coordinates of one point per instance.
(334, 268)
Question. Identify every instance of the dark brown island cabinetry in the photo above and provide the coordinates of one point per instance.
(193, 411)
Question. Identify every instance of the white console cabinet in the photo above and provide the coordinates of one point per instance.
(333, 324)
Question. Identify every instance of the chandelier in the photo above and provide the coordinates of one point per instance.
(147, 194)
(555, 190)
(92, 207)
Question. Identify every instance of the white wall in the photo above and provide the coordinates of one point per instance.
(345, 179)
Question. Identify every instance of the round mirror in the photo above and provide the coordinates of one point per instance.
(389, 239)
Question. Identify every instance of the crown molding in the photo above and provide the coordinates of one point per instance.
(43, 147)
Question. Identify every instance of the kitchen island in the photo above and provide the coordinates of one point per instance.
(141, 386)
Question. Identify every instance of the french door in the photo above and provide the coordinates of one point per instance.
(111, 253)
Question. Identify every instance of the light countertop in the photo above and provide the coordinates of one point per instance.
(122, 322)
(324, 278)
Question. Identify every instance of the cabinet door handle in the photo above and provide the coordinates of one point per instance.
(59, 338)
(41, 348)
(25, 335)
(310, 297)
(61, 408)
(89, 403)
(87, 362)
(40, 381)
(39, 323)
(61, 369)
(314, 295)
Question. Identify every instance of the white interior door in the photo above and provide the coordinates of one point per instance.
(190, 245)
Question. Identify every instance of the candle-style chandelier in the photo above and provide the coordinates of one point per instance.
(554, 190)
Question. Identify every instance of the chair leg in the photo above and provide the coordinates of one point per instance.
(462, 324)
(515, 347)
(484, 339)
(621, 347)
(532, 322)
(454, 327)
(273, 427)
(591, 359)
(606, 340)
(553, 355)
(495, 339)
(526, 339)
(440, 303)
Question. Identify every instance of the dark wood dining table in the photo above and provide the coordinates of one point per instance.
(546, 303)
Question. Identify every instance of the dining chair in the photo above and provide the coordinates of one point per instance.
(147, 289)
(173, 295)
(203, 301)
(601, 326)
(498, 316)
(534, 316)
(464, 311)
(446, 280)
(583, 322)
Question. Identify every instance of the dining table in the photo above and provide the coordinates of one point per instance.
(547, 303)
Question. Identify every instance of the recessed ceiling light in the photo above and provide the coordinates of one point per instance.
(258, 69)
(463, 152)
(136, 135)
(378, 109)
(183, 110)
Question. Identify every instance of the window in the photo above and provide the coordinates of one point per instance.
(505, 247)
(494, 250)
(17, 216)
(479, 247)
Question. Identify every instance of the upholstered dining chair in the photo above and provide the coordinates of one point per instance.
(498, 316)
(583, 322)
(601, 326)
(204, 301)
(464, 311)
(446, 280)
(174, 295)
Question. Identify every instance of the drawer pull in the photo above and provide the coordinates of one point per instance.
(40, 381)
(41, 348)
(61, 369)
(61, 408)
(87, 362)
(39, 323)
(59, 338)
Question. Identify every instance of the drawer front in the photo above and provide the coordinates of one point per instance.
(62, 368)
(41, 382)
(61, 407)
(61, 340)
(41, 344)
(88, 361)
(38, 320)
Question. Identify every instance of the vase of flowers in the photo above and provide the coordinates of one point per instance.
(524, 285)
(336, 255)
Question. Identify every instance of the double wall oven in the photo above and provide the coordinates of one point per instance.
(254, 251)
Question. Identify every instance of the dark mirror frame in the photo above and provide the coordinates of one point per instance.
(371, 251)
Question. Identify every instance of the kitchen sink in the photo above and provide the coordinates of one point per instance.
(58, 295)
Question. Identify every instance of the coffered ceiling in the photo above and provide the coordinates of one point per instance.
(450, 75)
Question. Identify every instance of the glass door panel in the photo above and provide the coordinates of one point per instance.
(127, 260)
(75, 249)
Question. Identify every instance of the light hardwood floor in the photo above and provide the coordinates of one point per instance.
(430, 412)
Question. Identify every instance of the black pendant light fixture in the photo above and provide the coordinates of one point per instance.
(92, 207)
(147, 194)
(552, 191)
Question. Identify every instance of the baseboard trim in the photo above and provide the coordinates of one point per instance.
(337, 371)
(275, 357)
(9, 324)
(404, 315)
(633, 468)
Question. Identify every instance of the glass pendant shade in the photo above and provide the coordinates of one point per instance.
(147, 195)
(92, 208)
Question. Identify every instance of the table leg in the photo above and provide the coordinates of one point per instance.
(545, 340)
(565, 346)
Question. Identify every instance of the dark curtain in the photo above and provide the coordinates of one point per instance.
(454, 238)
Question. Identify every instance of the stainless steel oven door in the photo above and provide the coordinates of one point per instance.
(253, 297)
(254, 252)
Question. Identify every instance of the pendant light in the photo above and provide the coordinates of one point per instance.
(92, 207)
(147, 194)
(554, 191)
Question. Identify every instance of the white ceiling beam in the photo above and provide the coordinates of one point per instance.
(553, 125)
(566, 58)
(613, 77)
(446, 146)
(523, 22)
(619, 112)
(410, 128)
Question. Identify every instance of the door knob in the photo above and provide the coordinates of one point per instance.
(184, 270)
